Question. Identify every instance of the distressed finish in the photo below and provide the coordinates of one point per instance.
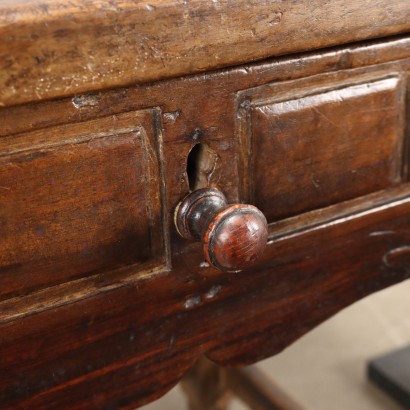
(112, 318)
(70, 202)
(321, 143)
(54, 48)
(233, 236)
(125, 347)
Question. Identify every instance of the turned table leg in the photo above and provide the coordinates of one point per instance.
(210, 387)
(206, 387)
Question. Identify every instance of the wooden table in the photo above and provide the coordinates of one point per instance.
(113, 111)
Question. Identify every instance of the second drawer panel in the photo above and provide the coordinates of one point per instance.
(317, 145)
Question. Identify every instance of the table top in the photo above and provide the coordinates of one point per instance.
(56, 48)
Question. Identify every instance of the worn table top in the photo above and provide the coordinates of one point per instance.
(54, 48)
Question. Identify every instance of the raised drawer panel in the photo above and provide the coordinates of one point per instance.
(316, 145)
(84, 199)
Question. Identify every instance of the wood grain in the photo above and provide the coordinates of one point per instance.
(315, 146)
(125, 347)
(116, 339)
(233, 236)
(85, 200)
(51, 49)
(236, 238)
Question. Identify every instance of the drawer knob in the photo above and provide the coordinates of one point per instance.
(233, 236)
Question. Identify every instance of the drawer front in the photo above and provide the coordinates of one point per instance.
(317, 144)
(79, 199)
(112, 332)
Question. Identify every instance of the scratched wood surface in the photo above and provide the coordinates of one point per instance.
(54, 48)
(79, 184)
(120, 338)
(290, 134)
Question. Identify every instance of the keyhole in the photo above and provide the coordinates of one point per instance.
(201, 164)
(192, 165)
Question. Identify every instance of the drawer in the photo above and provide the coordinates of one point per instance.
(92, 312)
(80, 199)
(317, 142)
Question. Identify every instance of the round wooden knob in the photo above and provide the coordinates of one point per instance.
(233, 236)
